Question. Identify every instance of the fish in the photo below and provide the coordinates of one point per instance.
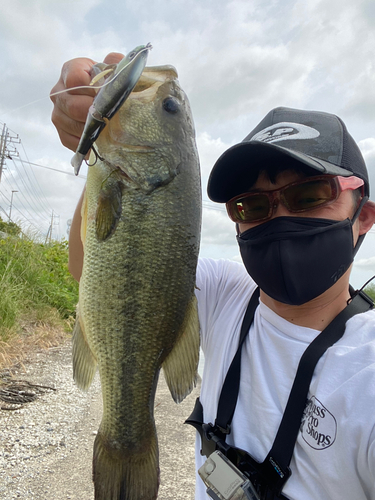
(137, 310)
(117, 82)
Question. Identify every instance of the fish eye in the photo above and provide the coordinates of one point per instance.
(171, 105)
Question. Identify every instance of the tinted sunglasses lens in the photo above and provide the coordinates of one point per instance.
(249, 209)
(308, 195)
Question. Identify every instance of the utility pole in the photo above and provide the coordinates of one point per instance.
(5, 152)
(3, 143)
(49, 229)
(11, 204)
(57, 223)
(68, 224)
(49, 232)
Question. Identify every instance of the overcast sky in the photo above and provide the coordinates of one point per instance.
(236, 61)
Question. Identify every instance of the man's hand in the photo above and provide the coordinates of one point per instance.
(71, 108)
(69, 116)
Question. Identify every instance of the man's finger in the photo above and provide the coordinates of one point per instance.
(113, 58)
(69, 130)
(76, 73)
(74, 106)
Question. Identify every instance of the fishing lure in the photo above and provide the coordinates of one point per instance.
(111, 96)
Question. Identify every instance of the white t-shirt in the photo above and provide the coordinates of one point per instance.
(334, 456)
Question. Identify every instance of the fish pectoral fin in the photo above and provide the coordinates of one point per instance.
(109, 209)
(84, 362)
(181, 365)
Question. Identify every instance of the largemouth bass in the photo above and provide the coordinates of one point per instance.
(137, 309)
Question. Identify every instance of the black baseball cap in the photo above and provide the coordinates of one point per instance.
(309, 140)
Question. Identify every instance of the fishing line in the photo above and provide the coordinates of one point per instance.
(147, 47)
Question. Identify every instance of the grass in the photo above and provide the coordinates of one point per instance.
(370, 290)
(37, 293)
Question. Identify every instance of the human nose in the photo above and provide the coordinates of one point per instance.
(278, 207)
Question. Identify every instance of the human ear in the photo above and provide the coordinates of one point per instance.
(366, 217)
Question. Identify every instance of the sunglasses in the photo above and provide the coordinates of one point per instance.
(300, 196)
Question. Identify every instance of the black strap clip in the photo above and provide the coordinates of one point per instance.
(222, 430)
(213, 439)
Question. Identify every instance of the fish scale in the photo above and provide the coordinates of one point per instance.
(137, 308)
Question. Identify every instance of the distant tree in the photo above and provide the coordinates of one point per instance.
(370, 290)
(9, 227)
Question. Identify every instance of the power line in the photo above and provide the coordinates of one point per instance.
(21, 196)
(55, 169)
(23, 215)
(209, 205)
(37, 189)
(30, 195)
(33, 198)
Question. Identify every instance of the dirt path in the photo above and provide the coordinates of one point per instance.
(46, 447)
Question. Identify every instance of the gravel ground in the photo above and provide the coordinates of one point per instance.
(46, 446)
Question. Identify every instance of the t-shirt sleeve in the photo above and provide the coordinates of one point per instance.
(219, 282)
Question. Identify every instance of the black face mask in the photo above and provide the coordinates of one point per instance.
(295, 259)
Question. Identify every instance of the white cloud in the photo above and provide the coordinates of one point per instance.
(217, 227)
(209, 150)
(236, 60)
(367, 147)
(366, 263)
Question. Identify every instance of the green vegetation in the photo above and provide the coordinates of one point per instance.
(370, 290)
(10, 228)
(34, 282)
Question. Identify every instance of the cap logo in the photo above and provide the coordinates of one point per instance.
(285, 131)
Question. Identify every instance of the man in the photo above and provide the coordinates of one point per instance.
(297, 189)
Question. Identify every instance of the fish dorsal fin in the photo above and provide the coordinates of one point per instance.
(109, 209)
(180, 367)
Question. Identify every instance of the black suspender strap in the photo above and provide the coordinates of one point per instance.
(283, 446)
(229, 392)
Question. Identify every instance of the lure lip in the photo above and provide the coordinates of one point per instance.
(76, 162)
(109, 100)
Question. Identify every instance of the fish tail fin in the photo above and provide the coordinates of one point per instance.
(84, 362)
(181, 366)
(120, 475)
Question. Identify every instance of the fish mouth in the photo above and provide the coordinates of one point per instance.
(151, 79)
(144, 92)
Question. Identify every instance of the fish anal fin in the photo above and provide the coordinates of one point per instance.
(109, 209)
(180, 367)
(84, 362)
